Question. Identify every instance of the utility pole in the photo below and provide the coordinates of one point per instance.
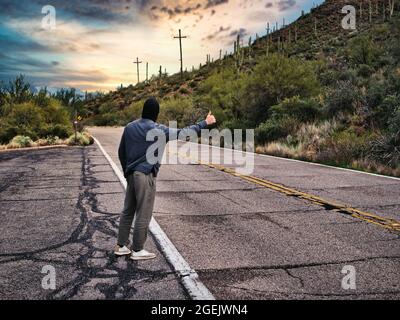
(147, 72)
(137, 62)
(180, 37)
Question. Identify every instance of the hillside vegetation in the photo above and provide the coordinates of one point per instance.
(311, 90)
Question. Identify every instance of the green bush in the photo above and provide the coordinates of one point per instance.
(179, 109)
(108, 119)
(386, 114)
(363, 51)
(21, 142)
(303, 110)
(275, 129)
(81, 139)
(52, 140)
(276, 78)
(365, 71)
(342, 98)
(394, 122)
(345, 146)
(56, 130)
(385, 149)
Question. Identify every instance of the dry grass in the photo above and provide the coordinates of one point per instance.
(307, 145)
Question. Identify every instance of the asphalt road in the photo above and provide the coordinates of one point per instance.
(60, 208)
(250, 242)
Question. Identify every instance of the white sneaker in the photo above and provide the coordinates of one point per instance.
(142, 255)
(122, 251)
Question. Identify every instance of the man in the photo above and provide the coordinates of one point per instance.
(141, 175)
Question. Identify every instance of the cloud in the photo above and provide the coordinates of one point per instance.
(95, 41)
(285, 5)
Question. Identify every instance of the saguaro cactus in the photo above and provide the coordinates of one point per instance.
(391, 8)
(250, 48)
(315, 25)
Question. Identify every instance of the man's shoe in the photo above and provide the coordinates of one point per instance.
(122, 251)
(142, 255)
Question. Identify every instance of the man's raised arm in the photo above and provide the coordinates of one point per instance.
(173, 134)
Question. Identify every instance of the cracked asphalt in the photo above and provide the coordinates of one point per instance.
(61, 207)
(250, 242)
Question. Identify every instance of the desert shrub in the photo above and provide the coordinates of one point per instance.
(192, 84)
(365, 71)
(385, 149)
(133, 111)
(81, 139)
(386, 113)
(184, 91)
(312, 135)
(363, 51)
(107, 107)
(394, 122)
(107, 119)
(54, 113)
(181, 110)
(303, 110)
(342, 98)
(275, 129)
(52, 140)
(88, 136)
(277, 78)
(376, 92)
(280, 149)
(348, 74)
(56, 130)
(344, 146)
(20, 142)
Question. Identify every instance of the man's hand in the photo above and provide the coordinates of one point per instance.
(210, 119)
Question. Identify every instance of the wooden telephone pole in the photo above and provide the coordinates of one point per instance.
(180, 37)
(137, 62)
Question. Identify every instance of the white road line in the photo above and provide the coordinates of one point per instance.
(189, 277)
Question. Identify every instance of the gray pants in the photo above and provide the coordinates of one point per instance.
(139, 204)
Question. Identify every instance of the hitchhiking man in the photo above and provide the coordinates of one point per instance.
(141, 177)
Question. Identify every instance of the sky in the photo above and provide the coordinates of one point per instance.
(93, 43)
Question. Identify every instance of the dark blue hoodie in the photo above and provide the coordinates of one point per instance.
(133, 147)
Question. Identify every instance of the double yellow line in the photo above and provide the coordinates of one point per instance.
(386, 223)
